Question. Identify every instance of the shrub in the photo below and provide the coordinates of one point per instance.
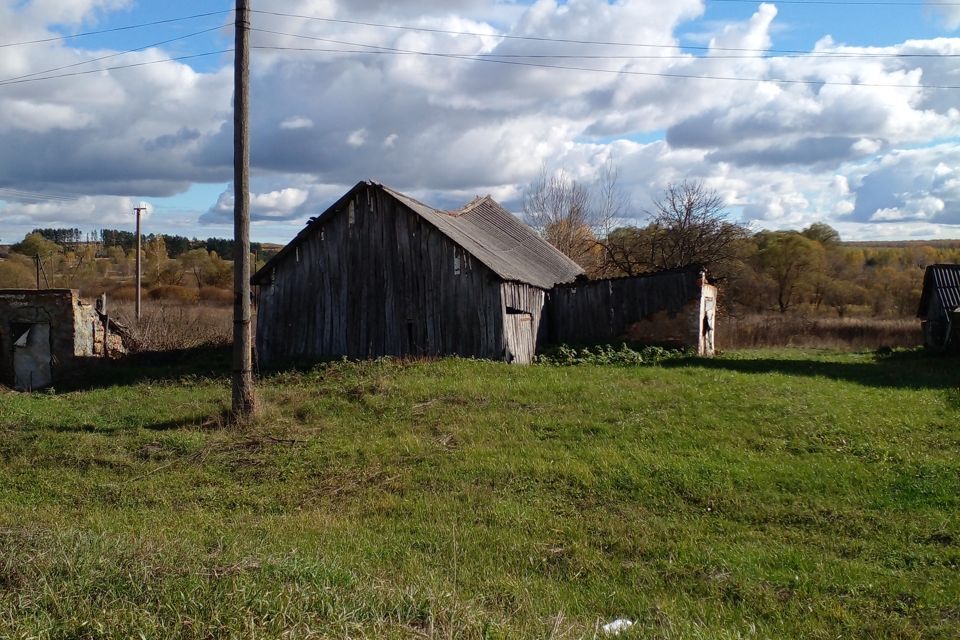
(215, 295)
(123, 293)
(622, 355)
(173, 293)
(173, 326)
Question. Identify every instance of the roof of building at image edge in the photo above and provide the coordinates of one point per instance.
(945, 282)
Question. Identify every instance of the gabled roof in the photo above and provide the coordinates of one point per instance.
(487, 231)
(942, 280)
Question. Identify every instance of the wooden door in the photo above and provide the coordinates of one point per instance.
(520, 339)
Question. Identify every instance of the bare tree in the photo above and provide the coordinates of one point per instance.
(689, 227)
(573, 216)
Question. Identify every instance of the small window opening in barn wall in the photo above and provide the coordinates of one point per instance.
(351, 213)
(457, 262)
(298, 253)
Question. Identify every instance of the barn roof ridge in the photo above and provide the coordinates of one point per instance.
(473, 204)
(483, 228)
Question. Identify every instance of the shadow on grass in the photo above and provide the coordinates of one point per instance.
(157, 366)
(212, 420)
(215, 420)
(898, 370)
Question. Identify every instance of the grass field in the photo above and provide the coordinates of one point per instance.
(760, 495)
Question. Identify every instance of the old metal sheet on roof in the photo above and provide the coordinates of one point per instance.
(943, 281)
(499, 240)
(947, 281)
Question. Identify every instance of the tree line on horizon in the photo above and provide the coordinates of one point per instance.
(172, 266)
(810, 270)
(71, 238)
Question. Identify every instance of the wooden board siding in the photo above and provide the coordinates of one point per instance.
(604, 310)
(523, 307)
(936, 324)
(376, 279)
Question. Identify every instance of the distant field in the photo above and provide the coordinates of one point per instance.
(903, 244)
(761, 495)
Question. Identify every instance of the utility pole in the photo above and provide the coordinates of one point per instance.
(36, 263)
(138, 211)
(244, 402)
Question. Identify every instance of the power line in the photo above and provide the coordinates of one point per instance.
(505, 36)
(814, 55)
(625, 72)
(107, 57)
(114, 68)
(124, 28)
(30, 195)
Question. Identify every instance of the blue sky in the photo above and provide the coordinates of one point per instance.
(874, 162)
(800, 27)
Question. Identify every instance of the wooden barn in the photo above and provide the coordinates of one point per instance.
(672, 308)
(379, 273)
(939, 309)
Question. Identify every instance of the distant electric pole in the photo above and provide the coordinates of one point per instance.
(138, 211)
(244, 401)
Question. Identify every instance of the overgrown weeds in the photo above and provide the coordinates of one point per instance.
(170, 326)
(609, 354)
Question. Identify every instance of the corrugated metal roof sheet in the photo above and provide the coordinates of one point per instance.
(942, 280)
(486, 230)
(499, 240)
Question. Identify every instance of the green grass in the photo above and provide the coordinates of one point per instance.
(759, 495)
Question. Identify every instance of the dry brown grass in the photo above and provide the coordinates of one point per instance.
(168, 326)
(777, 330)
(171, 293)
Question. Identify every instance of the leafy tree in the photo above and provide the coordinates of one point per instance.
(35, 244)
(177, 245)
(841, 295)
(197, 263)
(126, 240)
(17, 272)
(220, 272)
(67, 238)
(788, 259)
(822, 233)
(155, 257)
(628, 251)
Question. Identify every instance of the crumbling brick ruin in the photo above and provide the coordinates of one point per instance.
(46, 334)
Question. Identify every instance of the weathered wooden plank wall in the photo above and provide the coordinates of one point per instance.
(376, 279)
(602, 310)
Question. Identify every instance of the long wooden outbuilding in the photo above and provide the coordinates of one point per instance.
(380, 273)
